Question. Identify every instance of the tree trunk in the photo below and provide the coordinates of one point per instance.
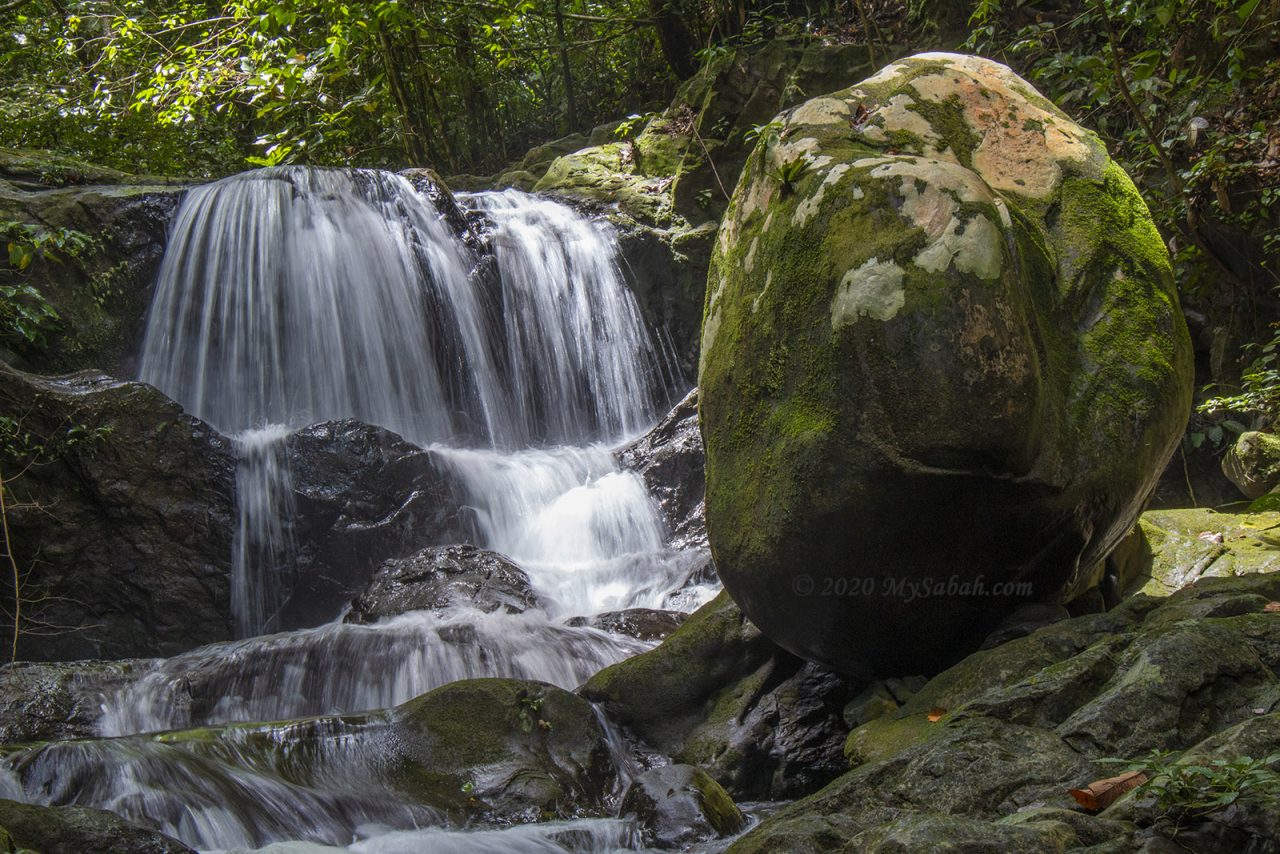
(570, 101)
(674, 37)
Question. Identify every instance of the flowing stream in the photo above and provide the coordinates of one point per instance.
(295, 295)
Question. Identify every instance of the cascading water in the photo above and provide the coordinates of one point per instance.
(290, 296)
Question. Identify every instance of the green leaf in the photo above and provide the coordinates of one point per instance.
(1246, 9)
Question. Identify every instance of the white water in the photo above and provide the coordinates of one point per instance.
(341, 668)
(292, 296)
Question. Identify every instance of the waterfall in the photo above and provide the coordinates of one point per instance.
(515, 352)
(294, 295)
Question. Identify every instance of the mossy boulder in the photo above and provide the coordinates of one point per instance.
(983, 756)
(1170, 549)
(1253, 463)
(942, 366)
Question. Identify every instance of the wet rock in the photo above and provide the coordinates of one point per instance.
(942, 317)
(361, 495)
(718, 694)
(78, 830)
(644, 624)
(678, 805)
(444, 577)
(43, 702)
(122, 516)
(670, 460)
(1253, 464)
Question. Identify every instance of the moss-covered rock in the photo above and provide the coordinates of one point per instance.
(77, 830)
(1253, 463)
(99, 285)
(666, 188)
(1170, 549)
(719, 695)
(942, 366)
(983, 756)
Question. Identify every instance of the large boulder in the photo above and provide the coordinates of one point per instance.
(440, 578)
(942, 366)
(120, 515)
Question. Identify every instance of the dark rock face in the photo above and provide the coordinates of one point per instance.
(443, 577)
(670, 459)
(718, 694)
(78, 830)
(643, 624)
(123, 519)
(43, 702)
(361, 495)
(678, 805)
(941, 370)
(985, 752)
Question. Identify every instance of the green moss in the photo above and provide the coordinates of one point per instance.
(948, 121)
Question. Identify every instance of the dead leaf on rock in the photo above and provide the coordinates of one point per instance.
(936, 713)
(1100, 794)
(1211, 536)
(1271, 607)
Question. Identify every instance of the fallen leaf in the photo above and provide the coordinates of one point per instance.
(936, 713)
(1211, 536)
(1271, 607)
(1100, 794)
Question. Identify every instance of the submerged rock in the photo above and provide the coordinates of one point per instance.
(444, 577)
(77, 830)
(121, 517)
(941, 354)
(718, 694)
(644, 624)
(678, 805)
(986, 751)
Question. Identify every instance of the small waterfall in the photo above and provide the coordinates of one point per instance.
(308, 672)
(263, 544)
(588, 533)
(581, 363)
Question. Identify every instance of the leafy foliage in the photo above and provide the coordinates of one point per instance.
(1186, 790)
(25, 314)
